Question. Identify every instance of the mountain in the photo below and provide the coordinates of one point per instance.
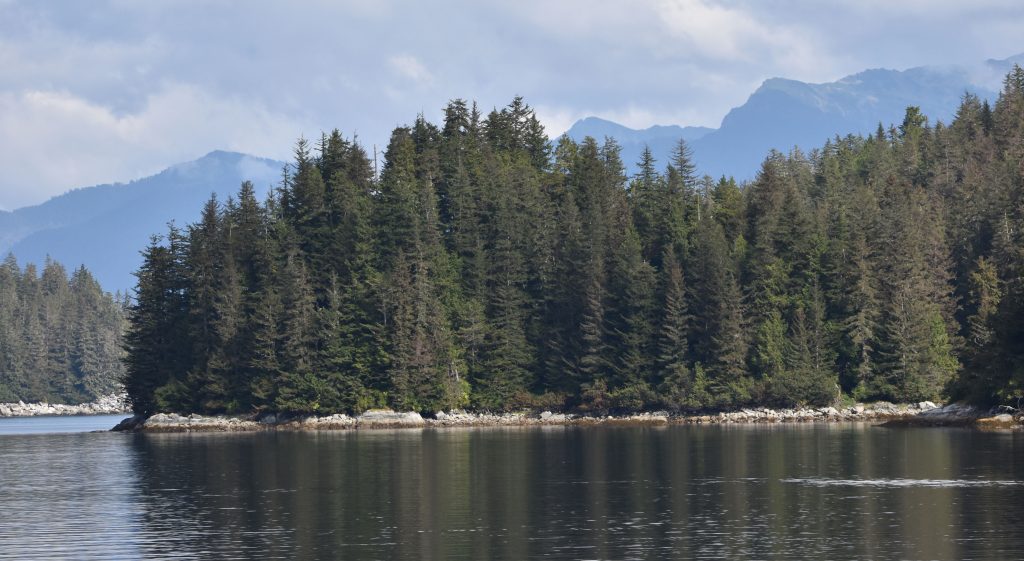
(660, 138)
(599, 128)
(104, 227)
(782, 114)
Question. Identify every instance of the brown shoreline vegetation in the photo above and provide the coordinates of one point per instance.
(885, 414)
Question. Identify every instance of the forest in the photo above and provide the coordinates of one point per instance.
(60, 337)
(487, 267)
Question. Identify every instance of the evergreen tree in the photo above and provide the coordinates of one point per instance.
(487, 267)
(156, 364)
(718, 340)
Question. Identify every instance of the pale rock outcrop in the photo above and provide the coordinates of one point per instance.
(386, 418)
(105, 405)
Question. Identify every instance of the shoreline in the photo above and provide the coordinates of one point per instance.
(884, 414)
(104, 405)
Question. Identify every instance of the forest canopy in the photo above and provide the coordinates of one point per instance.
(60, 336)
(488, 267)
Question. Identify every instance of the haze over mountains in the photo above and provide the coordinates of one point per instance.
(105, 227)
(785, 113)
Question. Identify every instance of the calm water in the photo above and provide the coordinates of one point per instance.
(766, 492)
(57, 424)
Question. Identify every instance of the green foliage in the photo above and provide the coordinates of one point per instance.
(486, 267)
(60, 336)
(686, 390)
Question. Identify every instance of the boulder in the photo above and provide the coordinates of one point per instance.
(1001, 421)
(269, 419)
(383, 418)
(553, 418)
(130, 424)
(337, 421)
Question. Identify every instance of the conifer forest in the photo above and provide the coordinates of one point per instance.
(478, 264)
(60, 336)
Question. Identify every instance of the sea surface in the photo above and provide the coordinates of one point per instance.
(843, 491)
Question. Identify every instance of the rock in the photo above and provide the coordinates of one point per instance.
(920, 414)
(380, 418)
(1001, 421)
(270, 419)
(130, 424)
(953, 414)
(954, 410)
(106, 404)
(172, 422)
(331, 422)
(553, 418)
(656, 418)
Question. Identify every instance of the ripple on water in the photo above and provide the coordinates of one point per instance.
(900, 482)
(682, 493)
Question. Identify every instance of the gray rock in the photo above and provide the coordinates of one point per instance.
(553, 417)
(389, 418)
(130, 424)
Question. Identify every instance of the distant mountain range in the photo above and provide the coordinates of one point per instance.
(105, 227)
(783, 114)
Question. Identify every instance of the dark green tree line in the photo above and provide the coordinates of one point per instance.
(60, 335)
(487, 267)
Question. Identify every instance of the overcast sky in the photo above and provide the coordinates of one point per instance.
(94, 92)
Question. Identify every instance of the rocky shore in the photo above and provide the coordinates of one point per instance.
(106, 405)
(920, 414)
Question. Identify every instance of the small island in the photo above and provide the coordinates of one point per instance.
(481, 266)
(887, 414)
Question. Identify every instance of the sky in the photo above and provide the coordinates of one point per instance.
(102, 91)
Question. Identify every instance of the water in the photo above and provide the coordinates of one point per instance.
(57, 424)
(681, 492)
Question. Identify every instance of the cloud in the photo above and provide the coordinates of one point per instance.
(720, 32)
(408, 67)
(54, 140)
(557, 120)
(111, 90)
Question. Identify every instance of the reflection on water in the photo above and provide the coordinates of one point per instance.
(57, 424)
(765, 492)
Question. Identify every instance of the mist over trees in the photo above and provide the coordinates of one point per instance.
(60, 336)
(487, 267)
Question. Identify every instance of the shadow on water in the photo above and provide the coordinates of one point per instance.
(682, 492)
